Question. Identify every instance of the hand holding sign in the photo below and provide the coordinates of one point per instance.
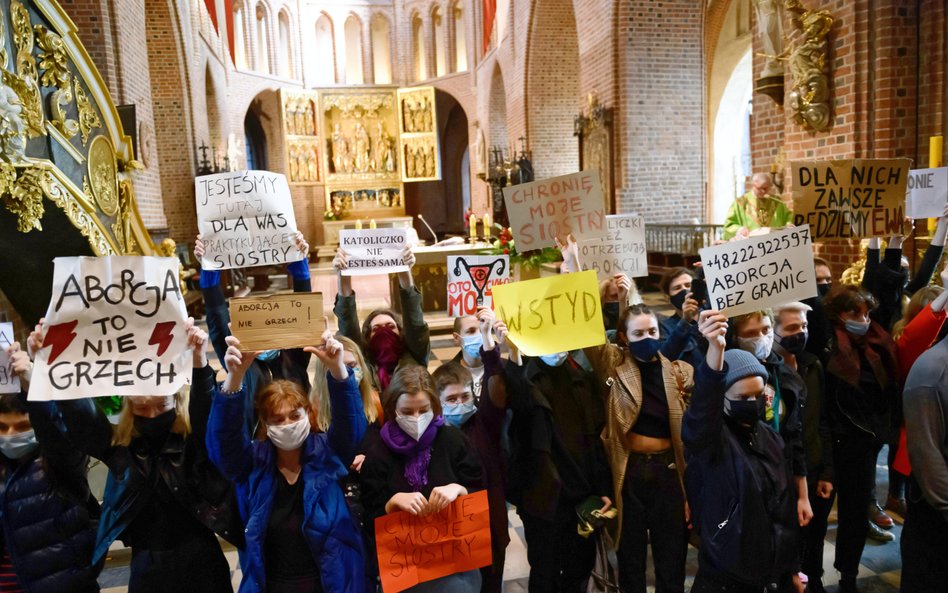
(9, 382)
(21, 364)
(331, 353)
(197, 341)
(236, 362)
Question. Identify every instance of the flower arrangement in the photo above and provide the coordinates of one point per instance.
(505, 244)
(335, 213)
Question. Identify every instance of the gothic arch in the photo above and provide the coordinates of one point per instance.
(552, 87)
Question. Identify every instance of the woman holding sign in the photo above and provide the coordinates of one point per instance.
(648, 394)
(390, 341)
(163, 497)
(300, 535)
(420, 465)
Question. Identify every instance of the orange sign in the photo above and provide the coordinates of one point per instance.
(414, 550)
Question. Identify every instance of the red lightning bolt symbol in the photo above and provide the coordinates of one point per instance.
(162, 336)
(58, 337)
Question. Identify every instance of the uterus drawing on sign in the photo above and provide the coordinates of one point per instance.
(479, 274)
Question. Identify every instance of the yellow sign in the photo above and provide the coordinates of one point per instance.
(277, 321)
(551, 315)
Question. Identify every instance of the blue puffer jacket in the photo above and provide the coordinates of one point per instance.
(45, 513)
(329, 529)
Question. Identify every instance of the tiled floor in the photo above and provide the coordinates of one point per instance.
(880, 571)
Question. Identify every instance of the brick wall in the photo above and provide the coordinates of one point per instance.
(660, 140)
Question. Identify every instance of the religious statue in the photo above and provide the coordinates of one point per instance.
(312, 164)
(361, 145)
(770, 23)
(426, 115)
(480, 152)
(378, 153)
(430, 162)
(408, 115)
(418, 117)
(409, 163)
(809, 96)
(302, 164)
(340, 150)
(294, 168)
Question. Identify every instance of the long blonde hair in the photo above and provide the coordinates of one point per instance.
(922, 298)
(124, 431)
(319, 396)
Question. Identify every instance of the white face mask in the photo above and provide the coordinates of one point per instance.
(760, 346)
(415, 426)
(554, 360)
(288, 437)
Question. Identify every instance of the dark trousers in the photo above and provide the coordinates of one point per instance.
(492, 576)
(716, 583)
(924, 545)
(560, 560)
(195, 566)
(855, 466)
(653, 511)
(813, 535)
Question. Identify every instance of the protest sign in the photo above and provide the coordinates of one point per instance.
(9, 382)
(543, 210)
(373, 251)
(115, 326)
(622, 251)
(927, 193)
(850, 199)
(414, 549)
(277, 321)
(246, 219)
(471, 279)
(551, 315)
(760, 272)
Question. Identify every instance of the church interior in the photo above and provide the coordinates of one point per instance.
(416, 114)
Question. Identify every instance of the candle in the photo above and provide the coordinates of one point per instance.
(372, 224)
(473, 222)
(486, 224)
(359, 225)
(935, 151)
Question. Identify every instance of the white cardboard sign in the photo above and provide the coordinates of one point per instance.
(246, 219)
(622, 251)
(760, 272)
(9, 383)
(115, 326)
(471, 279)
(373, 251)
(927, 193)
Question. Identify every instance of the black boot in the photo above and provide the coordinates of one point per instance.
(847, 584)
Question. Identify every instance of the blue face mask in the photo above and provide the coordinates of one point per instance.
(458, 414)
(268, 355)
(554, 360)
(19, 445)
(859, 328)
(472, 345)
(357, 373)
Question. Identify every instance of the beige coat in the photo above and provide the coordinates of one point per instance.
(624, 379)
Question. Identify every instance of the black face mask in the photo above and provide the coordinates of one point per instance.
(645, 350)
(610, 315)
(794, 344)
(678, 299)
(823, 289)
(743, 411)
(155, 430)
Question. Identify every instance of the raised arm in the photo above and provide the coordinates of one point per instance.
(348, 424)
(202, 384)
(416, 333)
(216, 312)
(703, 423)
(345, 310)
(931, 258)
(228, 437)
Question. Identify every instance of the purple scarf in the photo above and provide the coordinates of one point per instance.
(417, 454)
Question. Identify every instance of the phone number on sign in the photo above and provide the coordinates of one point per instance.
(744, 253)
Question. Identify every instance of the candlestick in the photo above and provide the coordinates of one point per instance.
(372, 224)
(936, 145)
(473, 223)
(486, 225)
(359, 224)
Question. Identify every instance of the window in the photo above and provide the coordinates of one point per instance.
(381, 50)
(263, 39)
(420, 67)
(325, 52)
(240, 42)
(460, 39)
(353, 32)
(437, 39)
(286, 45)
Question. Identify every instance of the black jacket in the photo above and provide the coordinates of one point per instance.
(740, 489)
(793, 394)
(817, 434)
(557, 455)
(182, 464)
(47, 513)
